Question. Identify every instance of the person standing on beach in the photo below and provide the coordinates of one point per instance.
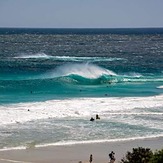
(112, 158)
(91, 158)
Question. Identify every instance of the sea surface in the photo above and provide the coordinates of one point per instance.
(52, 81)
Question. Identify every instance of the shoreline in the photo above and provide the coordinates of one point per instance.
(78, 152)
(72, 143)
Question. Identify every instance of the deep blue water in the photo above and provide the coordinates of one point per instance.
(42, 64)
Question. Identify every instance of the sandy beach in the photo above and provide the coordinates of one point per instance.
(76, 153)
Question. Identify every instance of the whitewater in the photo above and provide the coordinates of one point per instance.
(81, 107)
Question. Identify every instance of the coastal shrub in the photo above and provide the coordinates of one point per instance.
(157, 157)
(138, 155)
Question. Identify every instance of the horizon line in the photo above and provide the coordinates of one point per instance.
(82, 27)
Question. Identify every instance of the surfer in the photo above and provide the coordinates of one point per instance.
(97, 116)
(92, 119)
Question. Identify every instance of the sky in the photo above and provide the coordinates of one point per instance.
(81, 13)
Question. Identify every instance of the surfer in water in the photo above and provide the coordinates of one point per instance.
(92, 119)
(97, 116)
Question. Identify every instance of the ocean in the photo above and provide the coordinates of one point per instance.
(52, 81)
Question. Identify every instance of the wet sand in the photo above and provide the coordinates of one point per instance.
(79, 152)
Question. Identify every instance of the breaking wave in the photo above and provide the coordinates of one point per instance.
(88, 73)
(84, 74)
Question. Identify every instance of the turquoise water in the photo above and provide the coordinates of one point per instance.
(45, 63)
(66, 76)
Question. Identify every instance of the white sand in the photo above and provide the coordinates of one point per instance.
(76, 153)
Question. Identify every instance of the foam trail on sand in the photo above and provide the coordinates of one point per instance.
(69, 143)
(8, 160)
(98, 141)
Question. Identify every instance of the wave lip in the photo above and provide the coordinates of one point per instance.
(89, 73)
(81, 73)
(86, 70)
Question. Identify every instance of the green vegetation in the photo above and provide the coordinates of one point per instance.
(143, 155)
(157, 157)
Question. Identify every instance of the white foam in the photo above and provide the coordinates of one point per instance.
(98, 141)
(68, 143)
(68, 58)
(161, 87)
(81, 59)
(86, 70)
(80, 107)
(37, 55)
(13, 148)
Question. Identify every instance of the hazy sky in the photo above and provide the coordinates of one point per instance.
(81, 13)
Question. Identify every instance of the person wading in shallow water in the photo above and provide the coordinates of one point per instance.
(92, 119)
(91, 158)
(97, 116)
